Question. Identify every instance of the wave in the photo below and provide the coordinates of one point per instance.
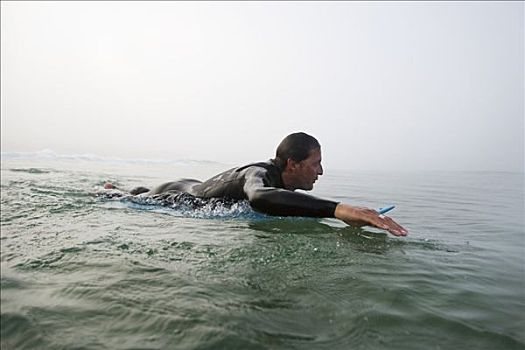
(48, 154)
(30, 170)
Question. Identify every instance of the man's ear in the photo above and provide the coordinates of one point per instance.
(291, 164)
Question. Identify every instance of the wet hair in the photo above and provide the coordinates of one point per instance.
(296, 146)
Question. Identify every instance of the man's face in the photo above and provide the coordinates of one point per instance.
(308, 170)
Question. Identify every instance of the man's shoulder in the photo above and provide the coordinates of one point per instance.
(267, 172)
(268, 165)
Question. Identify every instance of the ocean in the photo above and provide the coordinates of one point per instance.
(85, 272)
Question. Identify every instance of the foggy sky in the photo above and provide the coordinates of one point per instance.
(383, 86)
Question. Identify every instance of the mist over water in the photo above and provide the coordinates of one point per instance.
(79, 271)
(382, 85)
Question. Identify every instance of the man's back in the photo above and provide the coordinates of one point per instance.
(235, 183)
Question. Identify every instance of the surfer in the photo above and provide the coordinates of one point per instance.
(270, 187)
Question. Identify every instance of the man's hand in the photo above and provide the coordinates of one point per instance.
(359, 216)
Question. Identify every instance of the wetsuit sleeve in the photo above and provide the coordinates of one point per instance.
(281, 202)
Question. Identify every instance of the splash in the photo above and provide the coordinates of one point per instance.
(182, 204)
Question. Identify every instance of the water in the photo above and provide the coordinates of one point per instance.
(81, 272)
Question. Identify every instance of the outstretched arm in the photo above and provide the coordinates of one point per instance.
(359, 216)
(282, 202)
(276, 201)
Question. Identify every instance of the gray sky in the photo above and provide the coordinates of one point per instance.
(383, 86)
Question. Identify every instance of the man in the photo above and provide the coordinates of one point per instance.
(270, 187)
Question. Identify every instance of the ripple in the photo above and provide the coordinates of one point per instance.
(19, 331)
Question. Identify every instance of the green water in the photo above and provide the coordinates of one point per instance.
(78, 272)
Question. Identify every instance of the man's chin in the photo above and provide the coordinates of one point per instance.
(308, 188)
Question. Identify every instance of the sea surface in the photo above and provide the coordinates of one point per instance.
(85, 272)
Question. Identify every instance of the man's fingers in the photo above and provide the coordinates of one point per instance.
(360, 216)
(391, 226)
(395, 227)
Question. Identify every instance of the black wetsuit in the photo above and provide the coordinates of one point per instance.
(259, 183)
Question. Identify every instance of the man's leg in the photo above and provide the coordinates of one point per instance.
(139, 190)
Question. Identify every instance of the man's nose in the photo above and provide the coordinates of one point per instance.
(320, 170)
